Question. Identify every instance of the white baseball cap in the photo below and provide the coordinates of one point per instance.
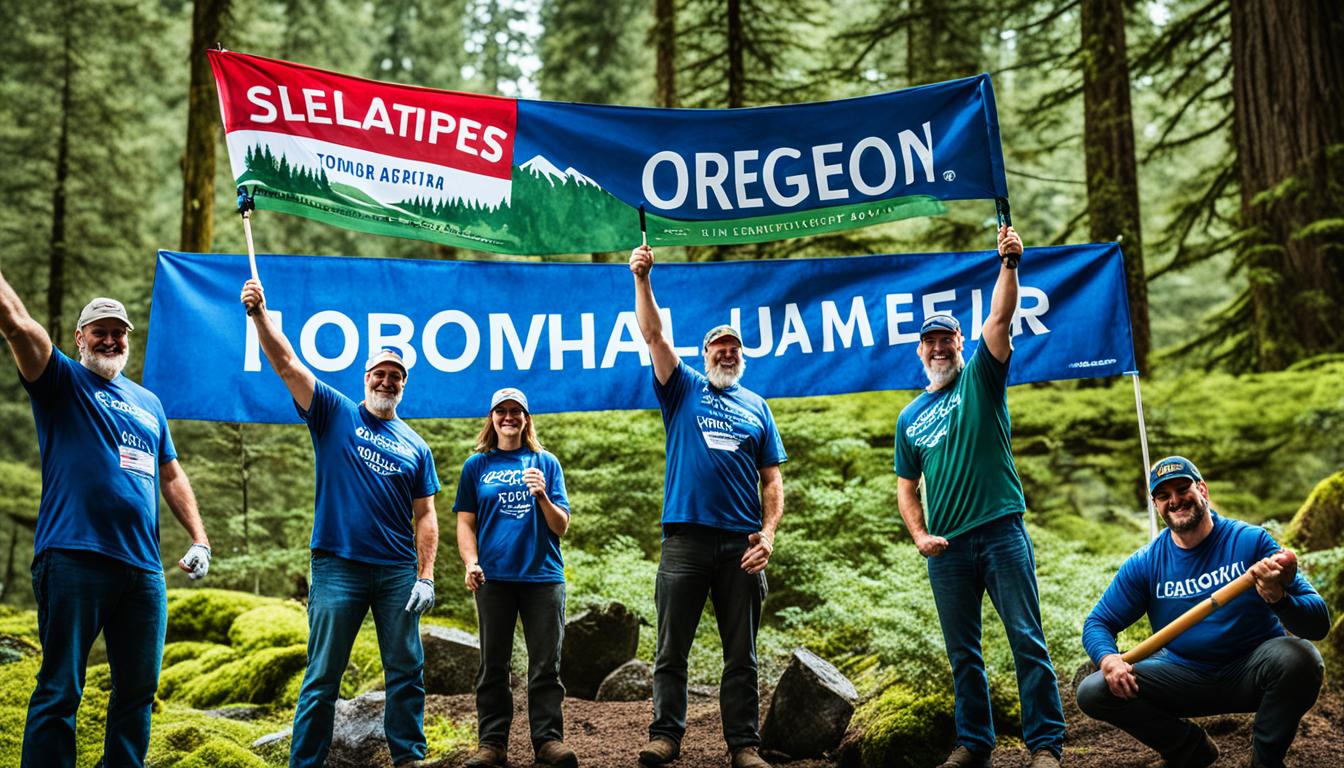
(102, 308)
(509, 393)
(385, 355)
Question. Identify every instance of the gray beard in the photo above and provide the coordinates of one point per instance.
(940, 379)
(1201, 511)
(723, 378)
(107, 367)
(380, 404)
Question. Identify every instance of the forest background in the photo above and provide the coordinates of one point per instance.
(1206, 135)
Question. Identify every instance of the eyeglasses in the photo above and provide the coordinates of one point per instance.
(514, 412)
(1177, 489)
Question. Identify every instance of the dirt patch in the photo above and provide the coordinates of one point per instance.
(610, 734)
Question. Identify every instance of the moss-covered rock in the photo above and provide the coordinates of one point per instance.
(16, 647)
(186, 650)
(182, 737)
(172, 680)
(22, 624)
(207, 614)
(269, 626)
(901, 728)
(220, 754)
(1332, 648)
(1319, 523)
(257, 678)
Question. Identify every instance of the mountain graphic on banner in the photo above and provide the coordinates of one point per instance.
(541, 167)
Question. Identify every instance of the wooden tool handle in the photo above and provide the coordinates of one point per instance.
(1190, 618)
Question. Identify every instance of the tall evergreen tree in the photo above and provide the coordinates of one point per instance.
(209, 17)
(593, 51)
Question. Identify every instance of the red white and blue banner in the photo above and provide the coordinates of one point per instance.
(566, 334)
(522, 176)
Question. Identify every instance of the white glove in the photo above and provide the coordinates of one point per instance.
(196, 562)
(422, 597)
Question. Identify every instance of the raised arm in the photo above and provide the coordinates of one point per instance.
(28, 340)
(998, 331)
(277, 348)
(665, 359)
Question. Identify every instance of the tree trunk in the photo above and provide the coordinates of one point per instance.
(1108, 139)
(198, 161)
(1288, 67)
(737, 72)
(665, 44)
(58, 251)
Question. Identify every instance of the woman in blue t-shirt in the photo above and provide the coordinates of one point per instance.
(511, 512)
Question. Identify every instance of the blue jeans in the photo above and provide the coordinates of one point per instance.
(80, 594)
(499, 606)
(997, 558)
(342, 593)
(697, 563)
(1278, 681)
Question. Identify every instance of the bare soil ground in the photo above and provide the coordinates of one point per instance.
(610, 734)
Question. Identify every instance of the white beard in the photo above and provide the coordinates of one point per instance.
(381, 404)
(103, 365)
(941, 378)
(724, 377)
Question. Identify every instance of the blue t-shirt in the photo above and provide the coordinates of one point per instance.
(513, 542)
(102, 443)
(717, 442)
(1164, 581)
(368, 472)
(959, 438)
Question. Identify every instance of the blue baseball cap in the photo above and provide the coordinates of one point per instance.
(1170, 468)
(934, 323)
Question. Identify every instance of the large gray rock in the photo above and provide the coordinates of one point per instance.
(451, 659)
(632, 681)
(597, 641)
(357, 737)
(810, 709)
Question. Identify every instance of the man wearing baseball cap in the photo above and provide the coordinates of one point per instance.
(106, 456)
(1239, 659)
(375, 535)
(722, 501)
(956, 436)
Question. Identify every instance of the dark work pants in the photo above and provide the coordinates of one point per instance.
(80, 594)
(699, 562)
(1278, 681)
(499, 606)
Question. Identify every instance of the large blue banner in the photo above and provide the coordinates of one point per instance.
(567, 335)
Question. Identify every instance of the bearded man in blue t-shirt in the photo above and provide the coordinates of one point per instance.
(723, 497)
(1239, 659)
(375, 535)
(106, 456)
(956, 435)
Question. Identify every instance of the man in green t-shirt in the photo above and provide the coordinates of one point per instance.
(957, 436)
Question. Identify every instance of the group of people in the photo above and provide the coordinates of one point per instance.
(107, 454)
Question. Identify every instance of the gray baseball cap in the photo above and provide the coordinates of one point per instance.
(509, 393)
(102, 308)
(385, 355)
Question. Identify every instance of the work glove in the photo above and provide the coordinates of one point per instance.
(196, 562)
(422, 597)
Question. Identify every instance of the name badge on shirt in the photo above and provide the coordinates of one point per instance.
(136, 460)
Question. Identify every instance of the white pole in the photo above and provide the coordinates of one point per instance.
(1143, 442)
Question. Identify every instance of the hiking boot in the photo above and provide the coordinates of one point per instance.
(962, 757)
(660, 750)
(1044, 758)
(488, 756)
(557, 754)
(1199, 752)
(748, 757)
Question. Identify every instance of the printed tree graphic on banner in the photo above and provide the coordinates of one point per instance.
(263, 166)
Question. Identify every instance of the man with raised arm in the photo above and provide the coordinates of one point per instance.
(956, 436)
(723, 497)
(375, 535)
(1239, 659)
(106, 456)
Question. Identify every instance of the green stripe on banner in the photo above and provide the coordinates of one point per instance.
(785, 225)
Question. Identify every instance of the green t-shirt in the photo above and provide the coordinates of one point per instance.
(960, 439)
